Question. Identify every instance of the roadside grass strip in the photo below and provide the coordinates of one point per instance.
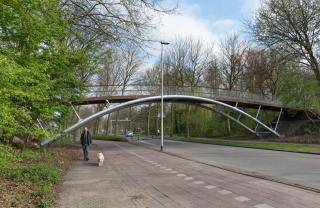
(289, 147)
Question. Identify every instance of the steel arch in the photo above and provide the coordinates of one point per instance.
(175, 98)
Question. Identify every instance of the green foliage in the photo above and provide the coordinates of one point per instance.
(46, 201)
(36, 155)
(37, 68)
(116, 138)
(307, 148)
(300, 92)
(7, 155)
(39, 172)
(43, 190)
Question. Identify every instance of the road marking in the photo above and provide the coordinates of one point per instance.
(210, 187)
(188, 178)
(163, 167)
(198, 182)
(174, 172)
(148, 143)
(242, 199)
(225, 192)
(181, 175)
(168, 169)
(263, 206)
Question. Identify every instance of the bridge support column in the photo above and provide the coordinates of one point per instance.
(275, 128)
(74, 110)
(257, 117)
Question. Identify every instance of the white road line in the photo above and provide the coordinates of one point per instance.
(242, 199)
(163, 167)
(168, 169)
(181, 175)
(224, 192)
(174, 172)
(198, 182)
(148, 143)
(188, 178)
(210, 187)
(263, 206)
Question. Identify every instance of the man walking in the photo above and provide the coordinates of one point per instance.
(85, 142)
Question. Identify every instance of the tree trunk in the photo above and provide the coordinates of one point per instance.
(188, 121)
(116, 125)
(130, 115)
(148, 124)
(229, 126)
(172, 120)
(107, 125)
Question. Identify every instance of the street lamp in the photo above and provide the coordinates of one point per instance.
(162, 43)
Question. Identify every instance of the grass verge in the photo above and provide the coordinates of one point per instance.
(289, 147)
(29, 178)
(116, 138)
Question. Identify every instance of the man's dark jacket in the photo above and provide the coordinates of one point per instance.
(85, 138)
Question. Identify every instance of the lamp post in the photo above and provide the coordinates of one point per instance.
(162, 43)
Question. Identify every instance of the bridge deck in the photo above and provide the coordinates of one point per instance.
(238, 101)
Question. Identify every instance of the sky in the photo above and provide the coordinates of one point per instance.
(206, 19)
(209, 20)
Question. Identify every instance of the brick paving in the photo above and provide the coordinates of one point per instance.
(137, 177)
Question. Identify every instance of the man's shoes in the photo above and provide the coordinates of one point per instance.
(87, 159)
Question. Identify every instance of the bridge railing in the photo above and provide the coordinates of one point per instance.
(194, 91)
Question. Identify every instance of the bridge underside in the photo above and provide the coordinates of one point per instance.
(242, 103)
(201, 101)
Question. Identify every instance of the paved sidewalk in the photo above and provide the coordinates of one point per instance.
(137, 177)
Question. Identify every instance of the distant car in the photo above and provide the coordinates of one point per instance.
(129, 134)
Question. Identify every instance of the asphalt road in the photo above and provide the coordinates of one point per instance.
(138, 177)
(302, 169)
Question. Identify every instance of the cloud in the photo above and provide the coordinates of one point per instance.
(189, 22)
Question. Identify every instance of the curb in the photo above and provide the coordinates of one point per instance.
(238, 171)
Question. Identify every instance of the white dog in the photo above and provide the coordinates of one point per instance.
(100, 158)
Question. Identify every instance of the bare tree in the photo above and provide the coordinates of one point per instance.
(128, 64)
(212, 76)
(232, 61)
(111, 22)
(265, 69)
(186, 62)
(294, 24)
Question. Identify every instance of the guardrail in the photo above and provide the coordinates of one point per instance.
(97, 91)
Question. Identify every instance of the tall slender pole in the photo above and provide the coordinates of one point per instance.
(161, 97)
(162, 133)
